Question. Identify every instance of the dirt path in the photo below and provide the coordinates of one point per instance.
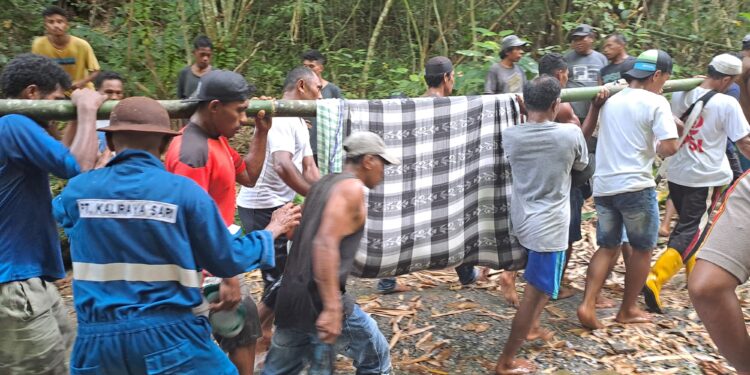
(442, 328)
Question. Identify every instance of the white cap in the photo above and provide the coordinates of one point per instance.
(727, 64)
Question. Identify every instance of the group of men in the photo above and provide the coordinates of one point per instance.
(693, 134)
(149, 239)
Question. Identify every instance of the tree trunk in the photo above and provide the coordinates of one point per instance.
(371, 46)
(440, 27)
(663, 13)
(417, 35)
(473, 22)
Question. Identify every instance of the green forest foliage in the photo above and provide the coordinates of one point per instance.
(149, 41)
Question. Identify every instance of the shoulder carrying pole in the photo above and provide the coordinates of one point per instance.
(65, 110)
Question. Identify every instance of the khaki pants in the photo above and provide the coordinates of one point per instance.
(36, 333)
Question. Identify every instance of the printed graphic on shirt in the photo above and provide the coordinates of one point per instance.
(66, 61)
(515, 83)
(127, 209)
(694, 144)
(584, 73)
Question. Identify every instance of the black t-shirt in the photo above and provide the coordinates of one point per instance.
(298, 302)
(614, 72)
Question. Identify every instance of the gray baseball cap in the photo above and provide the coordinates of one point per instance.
(746, 42)
(221, 85)
(581, 30)
(511, 41)
(367, 143)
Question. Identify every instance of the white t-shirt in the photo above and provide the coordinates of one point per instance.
(287, 134)
(702, 160)
(630, 123)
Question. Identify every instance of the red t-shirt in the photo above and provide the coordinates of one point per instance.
(210, 162)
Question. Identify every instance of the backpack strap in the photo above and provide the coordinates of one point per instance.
(705, 98)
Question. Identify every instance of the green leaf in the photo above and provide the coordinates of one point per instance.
(414, 77)
(469, 52)
(483, 31)
(505, 33)
(745, 15)
(490, 45)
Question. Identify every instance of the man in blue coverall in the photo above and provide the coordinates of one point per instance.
(34, 324)
(139, 238)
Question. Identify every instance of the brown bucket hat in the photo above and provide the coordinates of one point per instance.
(139, 114)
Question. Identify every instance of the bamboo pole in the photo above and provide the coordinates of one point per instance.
(64, 110)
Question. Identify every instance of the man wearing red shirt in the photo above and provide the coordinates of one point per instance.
(203, 154)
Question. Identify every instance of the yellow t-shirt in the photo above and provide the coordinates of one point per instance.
(77, 58)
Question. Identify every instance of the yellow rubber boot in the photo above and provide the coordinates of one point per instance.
(665, 267)
(689, 265)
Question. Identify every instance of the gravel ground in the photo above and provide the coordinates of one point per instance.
(440, 327)
(676, 343)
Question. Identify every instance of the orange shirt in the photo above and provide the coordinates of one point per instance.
(210, 162)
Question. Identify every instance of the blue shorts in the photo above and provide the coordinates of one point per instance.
(636, 212)
(544, 271)
(159, 344)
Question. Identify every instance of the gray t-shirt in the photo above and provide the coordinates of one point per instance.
(541, 158)
(583, 71)
(501, 80)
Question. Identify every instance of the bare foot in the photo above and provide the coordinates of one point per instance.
(484, 275)
(540, 334)
(588, 318)
(603, 302)
(633, 316)
(508, 288)
(399, 288)
(566, 292)
(517, 366)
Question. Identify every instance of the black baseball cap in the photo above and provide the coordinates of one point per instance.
(649, 62)
(438, 65)
(221, 85)
(581, 30)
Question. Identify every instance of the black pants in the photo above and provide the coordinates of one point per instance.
(694, 206)
(258, 219)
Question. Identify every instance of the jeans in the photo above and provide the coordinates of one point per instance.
(466, 275)
(360, 340)
(637, 211)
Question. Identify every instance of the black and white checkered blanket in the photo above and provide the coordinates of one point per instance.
(448, 203)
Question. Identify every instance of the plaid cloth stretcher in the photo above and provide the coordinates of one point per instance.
(448, 202)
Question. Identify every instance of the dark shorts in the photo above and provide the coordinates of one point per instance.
(576, 205)
(257, 219)
(694, 206)
(544, 271)
(250, 332)
(637, 211)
